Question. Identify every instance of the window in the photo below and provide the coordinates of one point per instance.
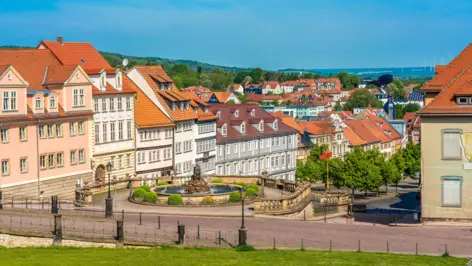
(9, 101)
(103, 80)
(97, 109)
(253, 112)
(5, 167)
(73, 157)
(178, 168)
(81, 127)
(82, 156)
(51, 160)
(243, 128)
(42, 161)
(23, 165)
(243, 147)
(128, 128)
(60, 159)
(462, 100)
(112, 131)
(168, 133)
(276, 125)
(4, 135)
(451, 147)
(72, 128)
(52, 102)
(128, 103)
(261, 144)
(23, 134)
(104, 132)
(451, 191)
(97, 133)
(120, 161)
(50, 131)
(75, 98)
(120, 130)
(261, 126)
(178, 147)
(223, 130)
(112, 104)
(37, 102)
(236, 113)
(220, 150)
(228, 150)
(104, 104)
(120, 104)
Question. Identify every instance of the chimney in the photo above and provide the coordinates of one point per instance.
(59, 39)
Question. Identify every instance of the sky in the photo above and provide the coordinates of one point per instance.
(272, 34)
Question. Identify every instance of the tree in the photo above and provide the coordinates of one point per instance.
(389, 173)
(377, 160)
(205, 81)
(411, 107)
(230, 102)
(257, 75)
(359, 171)
(399, 162)
(354, 80)
(338, 107)
(336, 172)
(345, 80)
(243, 98)
(361, 98)
(412, 156)
(240, 76)
(316, 152)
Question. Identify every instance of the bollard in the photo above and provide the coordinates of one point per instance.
(416, 250)
(219, 237)
(445, 250)
(242, 236)
(359, 246)
(26, 203)
(387, 247)
(42, 204)
(374, 219)
(198, 231)
(304, 215)
(57, 233)
(178, 222)
(140, 219)
(120, 237)
(303, 246)
(158, 222)
(54, 207)
(274, 244)
(1, 200)
(181, 231)
(330, 245)
(396, 219)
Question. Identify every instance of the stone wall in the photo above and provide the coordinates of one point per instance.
(235, 179)
(63, 187)
(13, 241)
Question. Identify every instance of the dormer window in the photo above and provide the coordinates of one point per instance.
(275, 125)
(173, 106)
(187, 105)
(169, 86)
(195, 110)
(52, 102)
(463, 100)
(243, 127)
(261, 125)
(181, 105)
(224, 130)
(118, 80)
(206, 110)
(161, 87)
(253, 112)
(103, 80)
(38, 102)
(236, 113)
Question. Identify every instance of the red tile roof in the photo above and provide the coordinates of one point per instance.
(318, 127)
(198, 89)
(271, 84)
(288, 120)
(147, 114)
(222, 96)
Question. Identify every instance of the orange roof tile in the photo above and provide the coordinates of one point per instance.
(222, 96)
(321, 127)
(59, 74)
(147, 114)
(353, 138)
(288, 120)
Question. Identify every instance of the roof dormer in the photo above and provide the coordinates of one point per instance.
(103, 80)
(224, 130)
(187, 105)
(243, 127)
(169, 86)
(236, 113)
(119, 80)
(253, 112)
(275, 125)
(261, 126)
(205, 110)
(181, 105)
(218, 114)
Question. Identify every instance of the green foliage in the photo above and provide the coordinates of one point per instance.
(162, 183)
(240, 76)
(338, 107)
(250, 192)
(146, 187)
(244, 248)
(234, 197)
(230, 102)
(255, 187)
(207, 200)
(348, 82)
(175, 199)
(362, 98)
(139, 193)
(217, 181)
(316, 152)
(371, 86)
(396, 91)
(412, 156)
(389, 173)
(257, 75)
(150, 197)
(409, 107)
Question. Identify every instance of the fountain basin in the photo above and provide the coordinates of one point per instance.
(219, 192)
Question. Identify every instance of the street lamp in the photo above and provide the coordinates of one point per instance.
(243, 229)
(109, 200)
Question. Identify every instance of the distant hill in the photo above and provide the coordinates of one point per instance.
(398, 72)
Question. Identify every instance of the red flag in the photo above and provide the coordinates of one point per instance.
(326, 155)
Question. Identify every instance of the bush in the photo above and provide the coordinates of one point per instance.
(162, 183)
(250, 192)
(255, 187)
(244, 248)
(139, 193)
(175, 199)
(234, 197)
(217, 181)
(207, 200)
(150, 197)
(146, 188)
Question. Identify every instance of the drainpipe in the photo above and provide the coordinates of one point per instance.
(37, 157)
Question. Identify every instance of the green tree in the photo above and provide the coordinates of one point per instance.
(240, 76)
(399, 162)
(230, 102)
(361, 98)
(257, 75)
(338, 107)
(411, 107)
(205, 81)
(354, 80)
(316, 152)
(389, 173)
(412, 156)
(336, 172)
(345, 80)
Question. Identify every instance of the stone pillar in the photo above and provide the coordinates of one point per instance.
(108, 207)
(57, 233)
(242, 236)
(120, 237)
(1, 200)
(54, 206)
(181, 231)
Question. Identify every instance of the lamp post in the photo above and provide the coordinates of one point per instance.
(243, 229)
(109, 200)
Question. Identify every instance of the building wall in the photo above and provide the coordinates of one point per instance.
(152, 166)
(433, 167)
(181, 136)
(206, 157)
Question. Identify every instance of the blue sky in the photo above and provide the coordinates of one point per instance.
(272, 34)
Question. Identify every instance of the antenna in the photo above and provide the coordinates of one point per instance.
(125, 62)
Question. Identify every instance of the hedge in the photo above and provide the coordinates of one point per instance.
(234, 197)
(162, 183)
(146, 188)
(150, 197)
(255, 187)
(250, 192)
(175, 199)
(139, 193)
(217, 181)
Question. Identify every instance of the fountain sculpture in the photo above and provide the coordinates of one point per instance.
(197, 184)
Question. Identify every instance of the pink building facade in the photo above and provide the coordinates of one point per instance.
(45, 119)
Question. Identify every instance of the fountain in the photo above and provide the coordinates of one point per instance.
(197, 184)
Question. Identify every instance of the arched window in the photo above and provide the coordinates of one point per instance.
(261, 125)
(253, 112)
(52, 102)
(118, 80)
(236, 113)
(224, 130)
(38, 101)
(276, 125)
(243, 127)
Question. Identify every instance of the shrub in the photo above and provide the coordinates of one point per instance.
(255, 187)
(244, 248)
(162, 183)
(175, 199)
(139, 193)
(217, 181)
(146, 187)
(234, 197)
(207, 200)
(150, 197)
(250, 192)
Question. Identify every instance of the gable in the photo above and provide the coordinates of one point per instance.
(78, 76)
(10, 77)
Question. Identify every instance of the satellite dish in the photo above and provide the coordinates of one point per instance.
(125, 62)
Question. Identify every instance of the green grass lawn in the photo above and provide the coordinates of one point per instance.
(179, 256)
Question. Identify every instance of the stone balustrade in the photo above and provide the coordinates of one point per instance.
(283, 203)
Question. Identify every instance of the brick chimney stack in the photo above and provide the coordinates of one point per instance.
(59, 39)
